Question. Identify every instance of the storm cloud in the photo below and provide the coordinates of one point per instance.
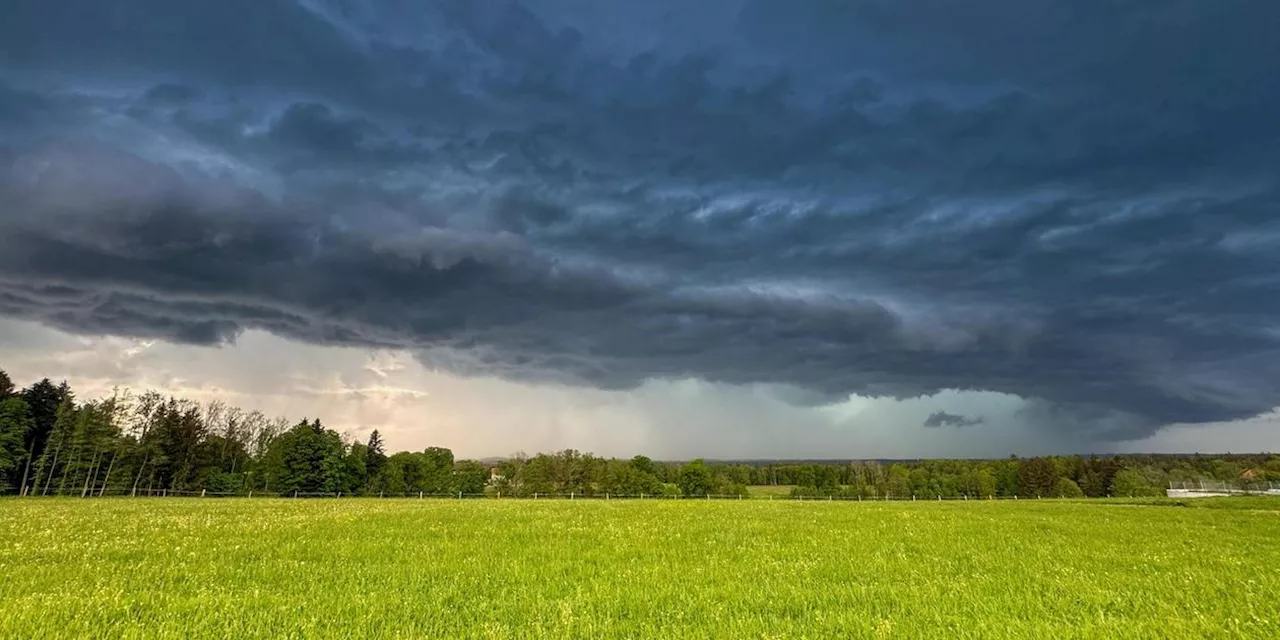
(1073, 203)
(944, 419)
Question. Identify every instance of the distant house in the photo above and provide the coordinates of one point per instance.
(1248, 475)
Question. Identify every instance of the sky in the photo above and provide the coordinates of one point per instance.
(726, 228)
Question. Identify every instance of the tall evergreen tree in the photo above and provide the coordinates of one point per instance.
(6, 385)
(15, 422)
(1038, 477)
(43, 399)
(375, 456)
(308, 459)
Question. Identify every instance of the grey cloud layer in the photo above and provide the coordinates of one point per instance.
(944, 419)
(1074, 204)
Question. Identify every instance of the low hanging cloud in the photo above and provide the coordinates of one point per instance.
(944, 419)
(503, 189)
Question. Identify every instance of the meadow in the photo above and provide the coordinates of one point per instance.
(409, 568)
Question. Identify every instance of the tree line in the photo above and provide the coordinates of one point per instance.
(1047, 477)
(51, 443)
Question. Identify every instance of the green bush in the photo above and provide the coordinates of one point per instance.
(1067, 488)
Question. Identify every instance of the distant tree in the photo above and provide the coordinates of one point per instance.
(393, 475)
(538, 475)
(58, 439)
(309, 458)
(355, 475)
(1067, 488)
(1093, 483)
(636, 477)
(470, 477)
(15, 422)
(695, 479)
(984, 483)
(43, 399)
(436, 469)
(1007, 480)
(1131, 483)
(671, 490)
(1038, 477)
(375, 455)
(6, 385)
(642, 464)
(508, 476)
(898, 483)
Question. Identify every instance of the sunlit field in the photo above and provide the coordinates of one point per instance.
(234, 568)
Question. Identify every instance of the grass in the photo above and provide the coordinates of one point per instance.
(769, 490)
(234, 568)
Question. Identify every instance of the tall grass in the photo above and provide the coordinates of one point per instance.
(191, 568)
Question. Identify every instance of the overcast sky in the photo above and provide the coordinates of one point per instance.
(730, 228)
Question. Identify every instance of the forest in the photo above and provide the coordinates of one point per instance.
(52, 443)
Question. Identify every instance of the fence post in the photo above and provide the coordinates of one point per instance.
(251, 493)
(202, 493)
(913, 497)
(419, 495)
(606, 495)
(459, 495)
(570, 495)
(295, 493)
(535, 495)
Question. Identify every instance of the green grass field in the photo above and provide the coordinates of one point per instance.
(767, 490)
(234, 568)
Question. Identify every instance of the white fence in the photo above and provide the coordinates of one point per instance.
(1217, 488)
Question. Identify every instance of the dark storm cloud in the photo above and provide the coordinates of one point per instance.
(944, 419)
(1071, 202)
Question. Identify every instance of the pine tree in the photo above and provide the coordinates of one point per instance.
(375, 456)
(1038, 477)
(43, 399)
(15, 422)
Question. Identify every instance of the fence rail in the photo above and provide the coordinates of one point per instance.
(1206, 488)
(1219, 485)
